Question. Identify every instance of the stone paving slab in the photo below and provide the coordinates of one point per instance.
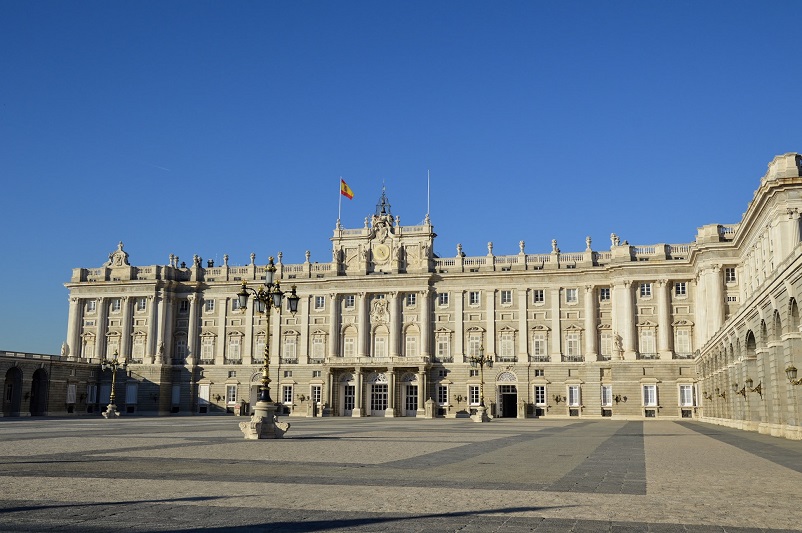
(199, 474)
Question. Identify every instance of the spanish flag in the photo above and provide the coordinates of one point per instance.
(345, 190)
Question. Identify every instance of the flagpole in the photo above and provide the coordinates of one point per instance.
(427, 193)
(339, 201)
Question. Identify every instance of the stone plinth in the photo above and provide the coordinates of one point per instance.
(264, 424)
(111, 411)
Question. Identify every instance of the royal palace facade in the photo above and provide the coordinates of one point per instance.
(707, 329)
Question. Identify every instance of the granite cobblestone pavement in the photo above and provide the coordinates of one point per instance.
(140, 474)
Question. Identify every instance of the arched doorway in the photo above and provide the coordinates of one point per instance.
(507, 391)
(409, 391)
(377, 383)
(347, 394)
(12, 392)
(39, 393)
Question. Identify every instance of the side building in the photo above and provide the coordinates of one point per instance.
(387, 326)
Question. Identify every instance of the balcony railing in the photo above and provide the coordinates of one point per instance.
(289, 360)
(648, 356)
(232, 361)
(573, 358)
(207, 361)
(443, 359)
(506, 359)
(539, 358)
(683, 356)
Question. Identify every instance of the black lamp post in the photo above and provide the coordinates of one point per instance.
(113, 365)
(481, 360)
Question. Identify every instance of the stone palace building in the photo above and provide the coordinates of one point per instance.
(708, 329)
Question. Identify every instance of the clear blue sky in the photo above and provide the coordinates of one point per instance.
(222, 127)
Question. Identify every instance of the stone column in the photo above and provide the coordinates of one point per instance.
(395, 324)
(359, 393)
(391, 394)
(591, 349)
(426, 322)
(166, 331)
(459, 326)
(125, 340)
(193, 343)
(247, 348)
(421, 392)
(334, 325)
(625, 317)
(362, 348)
(329, 392)
(663, 319)
(222, 347)
(556, 340)
(151, 347)
(700, 310)
(102, 323)
(74, 327)
(523, 337)
(490, 323)
(716, 300)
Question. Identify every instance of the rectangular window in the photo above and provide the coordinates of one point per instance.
(380, 347)
(113, 347)
(506, 297)
(349, 301)
(645, 290)
(604, 294)
(539, 344)
(686, 395)
(650, 395)
(141, 304)
(606, 344)
(729, 275)
(316, 394)
(116, 305)
(473, 298)
(473, 372)
(411, 345)
(259, 349)
(349, 347)
(680, 289)
(139, 348)
(473, 394)
(573, 396)
(181, 349)
(442, 394)
(131, 393)
(412, 299)
(231, 394)
(571, 296)
(540, 395)
(316, 373)
(474, 344)
(286, 394)
(442, 299)
(572, 344)
(72, 390)
(606, 396)
(207, 348)
(647, 341)
(288, 373)
(234, 344)
(208, 306)
(539, 373)
(235, 304)
(682, 341)
(183, 306)
(538, 296)
(91, 394)
(232, 373)
(443, 348)
(507, 345)
(318, 346)
(91, 306)
(290, 347)
(320, 302)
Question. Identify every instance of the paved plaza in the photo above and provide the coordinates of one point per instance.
(341, 474)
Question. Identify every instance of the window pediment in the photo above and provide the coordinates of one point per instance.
(540, 327)
(682, 323)
(647, 324)
(573, 327)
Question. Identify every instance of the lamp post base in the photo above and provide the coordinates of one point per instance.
(111, 411)
(481, 415)
(264, 424)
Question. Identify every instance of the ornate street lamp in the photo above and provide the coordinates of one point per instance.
(481, 360)
(269, 296)
(790, 372)
(758, 389)
(113, 365)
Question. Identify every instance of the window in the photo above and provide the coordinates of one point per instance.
(572, 344)
(234, 348)
(411, 299)
(573, 396)
(378, 297)
(286, 394)
(443, 346)
(538, 296)
(540, 395)
(290, 347)
(604, 294)
(729, 275)
(116, 305)
(208, 306)
(682, 341)
(349, 347)
(411, 346)
(473, 394)
(539, 373)
(112, 346)
(207, 348)
(259, 350)
(316, 373)
(442, 298)
(320, 302)
(606, 344)
(380, 347)
(288, 373)
(232, 373)
(686, 396)
(473, 372)
(507, 345)
(473, 298)
(650, 395)
(235, 304)
(231, 394)
(318, 346)
(647, 341)
(680, 289)
(571, 296)
(442, 394)
(139, 347)
(645, 290)
(141, 304)
(506, 297)
(91, 306)
(539, 344)
(474, 344)
(183, 306)
(606, 395)
(181, 348)
(349, 301)
(316, 393)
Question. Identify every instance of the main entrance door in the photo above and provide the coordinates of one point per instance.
(378, 399)
(509, 401)
(349, 398)
(411, 400)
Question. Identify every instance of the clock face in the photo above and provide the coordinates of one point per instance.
(381, 252)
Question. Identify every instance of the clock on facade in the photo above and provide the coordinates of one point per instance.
(381, 252)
